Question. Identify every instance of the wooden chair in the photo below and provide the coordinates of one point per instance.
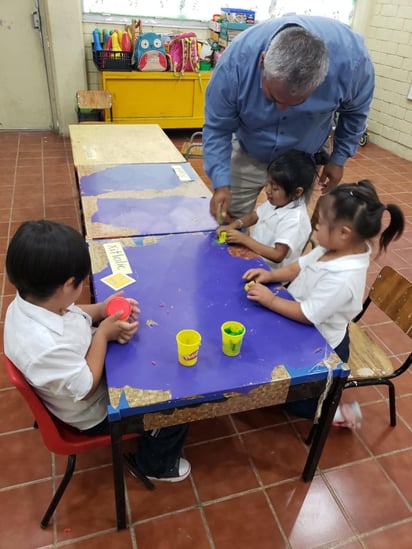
(392, 294)
(58, 437)
(92, 104)
(194, 147)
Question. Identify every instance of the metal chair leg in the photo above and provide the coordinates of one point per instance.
(71, 463)
(392, 403)
(321, 430)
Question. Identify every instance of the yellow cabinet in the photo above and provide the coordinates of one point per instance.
(158, 98)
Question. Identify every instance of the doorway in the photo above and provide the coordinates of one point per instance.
(24, 91)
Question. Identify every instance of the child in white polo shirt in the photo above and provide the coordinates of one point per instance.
(328, 283)
(281, 224)
(52, 342)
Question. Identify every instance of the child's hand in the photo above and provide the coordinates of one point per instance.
(224, 228)
(258, 275)
(234, 236)
(128, 333)
(135, 308)
(114, 329)
(261, 294)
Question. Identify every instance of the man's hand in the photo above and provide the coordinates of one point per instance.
(330, 177)
(219, 203)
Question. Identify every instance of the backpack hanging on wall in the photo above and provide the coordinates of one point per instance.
(183, 53)
(149, 52)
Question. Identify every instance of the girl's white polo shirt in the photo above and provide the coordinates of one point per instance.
(289, 225)
(331, 292)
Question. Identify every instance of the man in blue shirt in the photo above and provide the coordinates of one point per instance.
(276, 88)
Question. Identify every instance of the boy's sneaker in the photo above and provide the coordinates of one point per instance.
(348, 415)
(179, 472)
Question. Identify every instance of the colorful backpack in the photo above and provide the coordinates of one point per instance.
(149, 52)
(183, 53)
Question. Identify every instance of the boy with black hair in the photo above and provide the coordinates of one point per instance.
(52, 341)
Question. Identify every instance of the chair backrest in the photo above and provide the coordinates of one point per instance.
(57, 436)
(94, 99)
(392, 293)
(90, 100)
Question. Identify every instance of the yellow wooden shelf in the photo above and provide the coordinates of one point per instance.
(158, 98)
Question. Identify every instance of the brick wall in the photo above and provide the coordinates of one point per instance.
(388, 34)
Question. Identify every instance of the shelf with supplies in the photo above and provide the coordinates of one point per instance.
(164, 98)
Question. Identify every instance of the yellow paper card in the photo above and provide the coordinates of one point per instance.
(117, 281)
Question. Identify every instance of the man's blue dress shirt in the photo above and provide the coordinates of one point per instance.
(235, 102)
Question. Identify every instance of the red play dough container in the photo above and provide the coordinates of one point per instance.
(119, 304)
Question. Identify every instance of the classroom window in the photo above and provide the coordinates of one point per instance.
(203, 11)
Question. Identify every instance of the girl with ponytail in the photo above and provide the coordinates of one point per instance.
(328, 283)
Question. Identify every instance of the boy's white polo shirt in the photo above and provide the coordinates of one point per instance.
(289, 225)
(331, 292)
(50, 351)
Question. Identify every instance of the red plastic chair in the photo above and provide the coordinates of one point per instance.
(58, 437)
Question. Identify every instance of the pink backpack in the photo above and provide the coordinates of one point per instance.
(183, 53)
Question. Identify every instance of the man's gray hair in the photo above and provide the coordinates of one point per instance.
(298, 58)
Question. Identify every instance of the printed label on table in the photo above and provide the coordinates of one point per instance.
(118, 281)
(117, 258)
(181, 173)
(90, 153)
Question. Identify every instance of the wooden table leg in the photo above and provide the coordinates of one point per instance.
(321, 432)
(116, 436)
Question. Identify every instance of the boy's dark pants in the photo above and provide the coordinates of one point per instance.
(158, 450)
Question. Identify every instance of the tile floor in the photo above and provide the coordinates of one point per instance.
(245, 489)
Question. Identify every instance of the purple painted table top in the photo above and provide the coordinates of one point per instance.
(143, 199)
(192, 281)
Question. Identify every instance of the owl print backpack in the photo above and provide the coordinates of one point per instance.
(149, 53)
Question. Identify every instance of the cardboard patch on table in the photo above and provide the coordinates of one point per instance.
(269, 394)
(137, 397)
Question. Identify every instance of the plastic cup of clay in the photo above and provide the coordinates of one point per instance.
(188, 343)
(232, 337)
(119, 304)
